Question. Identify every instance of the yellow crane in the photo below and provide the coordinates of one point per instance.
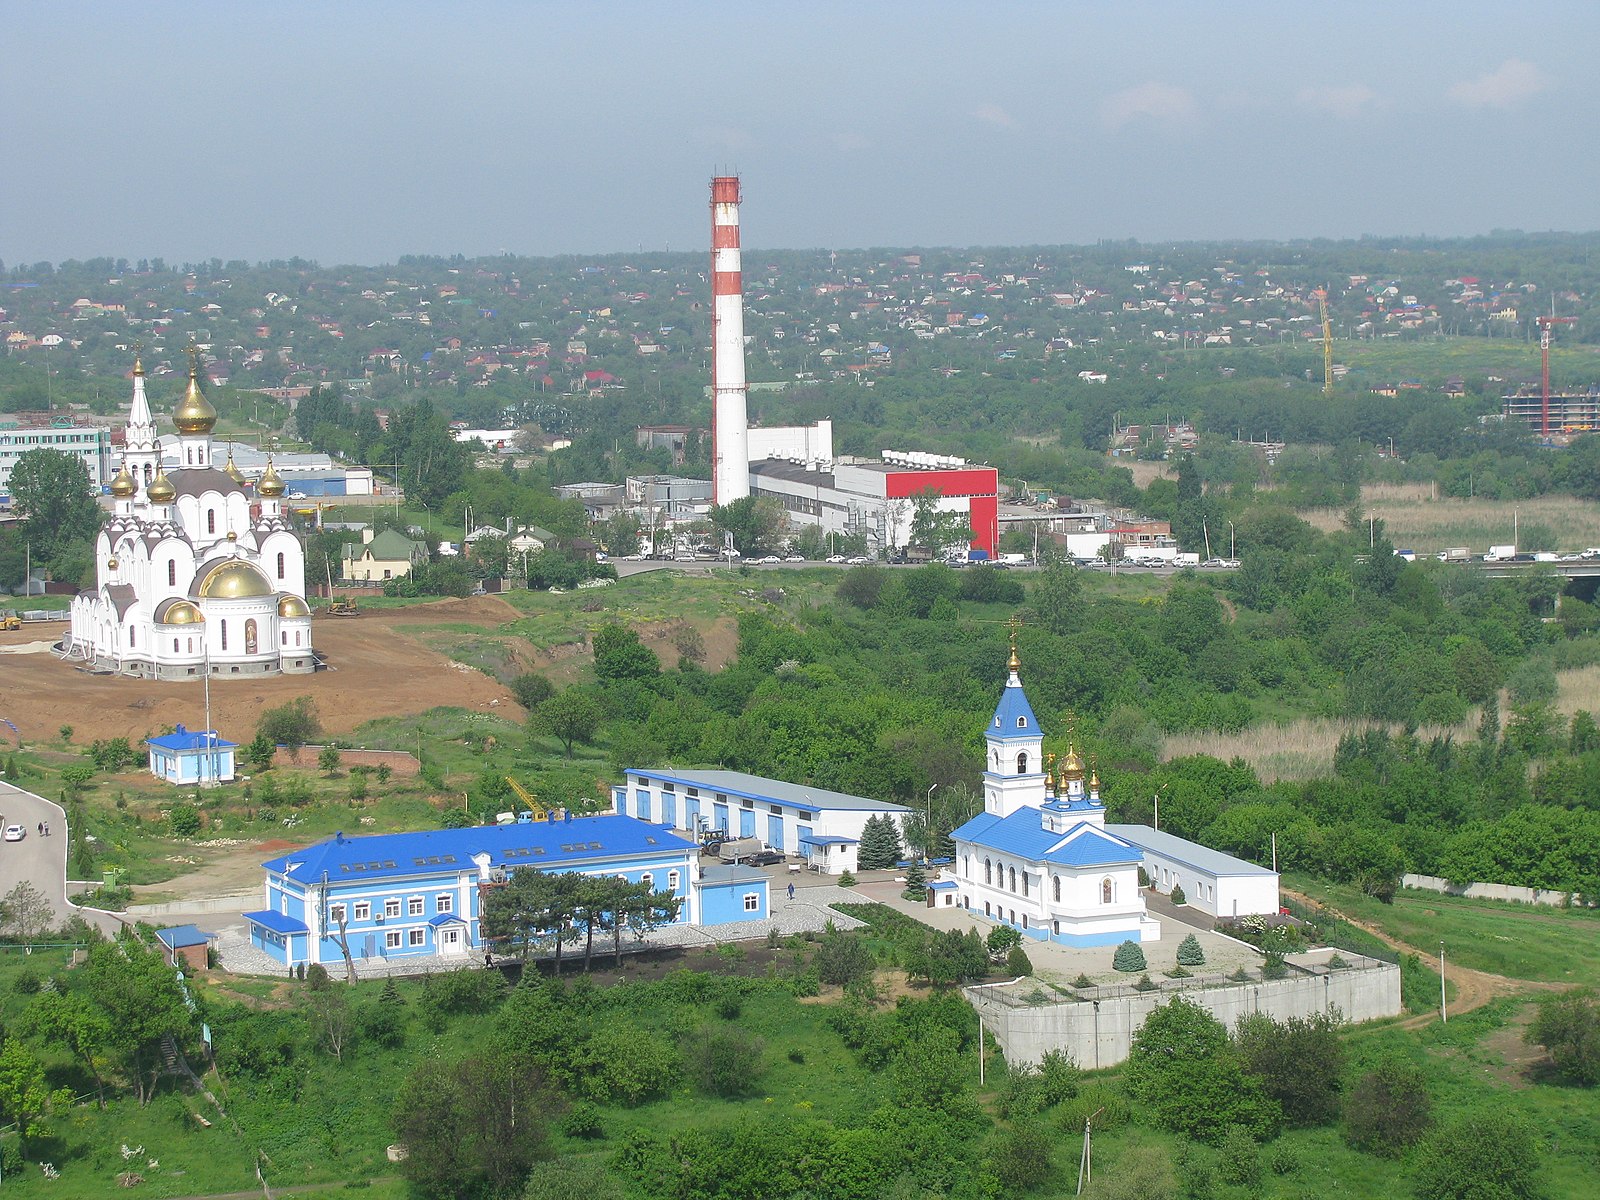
(1327, 343)
(539, 811)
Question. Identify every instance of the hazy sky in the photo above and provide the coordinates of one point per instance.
(357, 132)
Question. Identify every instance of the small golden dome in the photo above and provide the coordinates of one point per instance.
(161, 490)
(194, 414)
(293, 606)
(138, 366)
(235, 580)
(271, 484)
(111, 564)
(181, 612)
(1071, 765)
(123, 485)
(233, 472)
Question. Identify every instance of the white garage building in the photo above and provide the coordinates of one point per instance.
(820, 826)
(1212, 881)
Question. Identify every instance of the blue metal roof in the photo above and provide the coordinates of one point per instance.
(446, 919)
(1023, 835)
(1014, 707)
(813, 839)
(276, 921)
(732, 873)
(189, 739)
(179, 936)
(450, 851)
(755, 787)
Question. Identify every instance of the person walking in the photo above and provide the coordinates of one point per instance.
(791, 891)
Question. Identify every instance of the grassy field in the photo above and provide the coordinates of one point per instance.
(1417, 519)
(1550, 945)
(1298, 749)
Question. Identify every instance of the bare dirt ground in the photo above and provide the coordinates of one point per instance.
(376, 671)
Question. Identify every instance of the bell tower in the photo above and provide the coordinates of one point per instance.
(1014, 773)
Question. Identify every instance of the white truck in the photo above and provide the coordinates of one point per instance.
(1500, 554)
(1455, 554)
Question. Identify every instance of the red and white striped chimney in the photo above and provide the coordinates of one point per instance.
(730, 440)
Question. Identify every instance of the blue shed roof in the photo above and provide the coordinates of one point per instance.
(813, 839)
(191, 739)
(1013, 716)
(276, 921)
(1023, 834)
(450, 851)
(179, 936)
(446, 919)
(732, 873)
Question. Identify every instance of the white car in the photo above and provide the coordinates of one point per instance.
(15, 833)
(860, 560)
(836, 558)
(795, 558)
(769, 559)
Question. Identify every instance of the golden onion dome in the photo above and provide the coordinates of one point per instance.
(235, 580)
(271, 485)
(181, 612)
(138, 366)
(161, 490)
(123, 485)
(293, 606)
(233, 472)
(194, 414)
(1071, 765)
(111, 564)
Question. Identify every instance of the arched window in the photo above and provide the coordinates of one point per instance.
(174, 645)
(647, 881)
(1024, 883)
(986, 911)
(131, 635)
(672, 881)
(996, 717)
(1055, 881)
(997, 760)
(1105, 890)
(1022, 722)
(966, 866)
(285, 637)
(147, 474)
(988, 871)
(1013, 879)
(296, 637)
(172, 572)
(211, 520)
(280, 564)
(1022, 763)
(223, 625)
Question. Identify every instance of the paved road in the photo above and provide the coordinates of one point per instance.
(41, 861)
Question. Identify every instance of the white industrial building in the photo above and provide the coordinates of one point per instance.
(1212, 881)
(822, 827)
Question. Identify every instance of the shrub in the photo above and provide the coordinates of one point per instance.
(1082, 981)
(1283, 1159)
(183, 820)
(1145, 984)
(1129, 958)
(1178, 896)
(1239, 1159)
(1108, 1101)
(1389, 1109)
(842, 958)
(723, 1062)
(1019, 1158)
(1492, 1153)
(1569, 1028)
(847, 880)
(1190, 953)
(27, 982)
(1018, 963)
(728, 1008)
(1179, 973)
(1274, 967)
(582, 1121)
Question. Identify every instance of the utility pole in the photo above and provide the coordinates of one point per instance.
(1085, 1163)
(1444, 1014)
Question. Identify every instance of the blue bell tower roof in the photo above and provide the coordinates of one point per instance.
(1013, 716)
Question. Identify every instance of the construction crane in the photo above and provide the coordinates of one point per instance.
(1327, 343)
(538, 811)
(1544, 368)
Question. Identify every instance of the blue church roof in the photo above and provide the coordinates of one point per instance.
(1013, 707)
(435, 851)
(189, 739)
(1023, 835)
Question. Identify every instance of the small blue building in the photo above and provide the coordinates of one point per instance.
(192, 757)
(419, 894)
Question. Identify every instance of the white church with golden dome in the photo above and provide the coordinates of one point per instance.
(197, 569)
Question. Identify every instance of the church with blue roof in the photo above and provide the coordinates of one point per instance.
(1039, 857)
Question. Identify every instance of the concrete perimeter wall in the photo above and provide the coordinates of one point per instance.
(1099, 1033)
(1487, 891)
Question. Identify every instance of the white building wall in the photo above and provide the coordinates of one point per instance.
(810, 442)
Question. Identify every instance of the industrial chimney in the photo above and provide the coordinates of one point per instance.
(730, 442)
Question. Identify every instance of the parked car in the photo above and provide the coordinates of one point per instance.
(769, 559)
(765, 858)
(15, 833)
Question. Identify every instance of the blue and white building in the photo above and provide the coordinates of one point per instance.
(420, 894)
(1041, 858)
(822, 827)
(192, 757)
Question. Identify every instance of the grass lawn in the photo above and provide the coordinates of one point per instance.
(1518, 941)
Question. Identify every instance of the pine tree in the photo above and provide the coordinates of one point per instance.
(916, 882)
(1129, 958)
(880, 844)
(1189, 952)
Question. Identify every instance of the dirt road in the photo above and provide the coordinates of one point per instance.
(377, 671)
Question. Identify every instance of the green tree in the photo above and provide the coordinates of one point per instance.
(842, 959)
(475, 1126)
(531, 689)
(1487, 1155)
(1568, 1027)
(25, 1097)
(1184, 1068)
(291, 725)
(1190, 953)
(139, 996)
(328, 760)
(936, 530)
(1299, 1062)
(725, 1063)
(1129, 957)
(51, 493)
(1056, 598)
(571, 716)
(756, 523)
(25, 912)
(880, 844)
(619, 654)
